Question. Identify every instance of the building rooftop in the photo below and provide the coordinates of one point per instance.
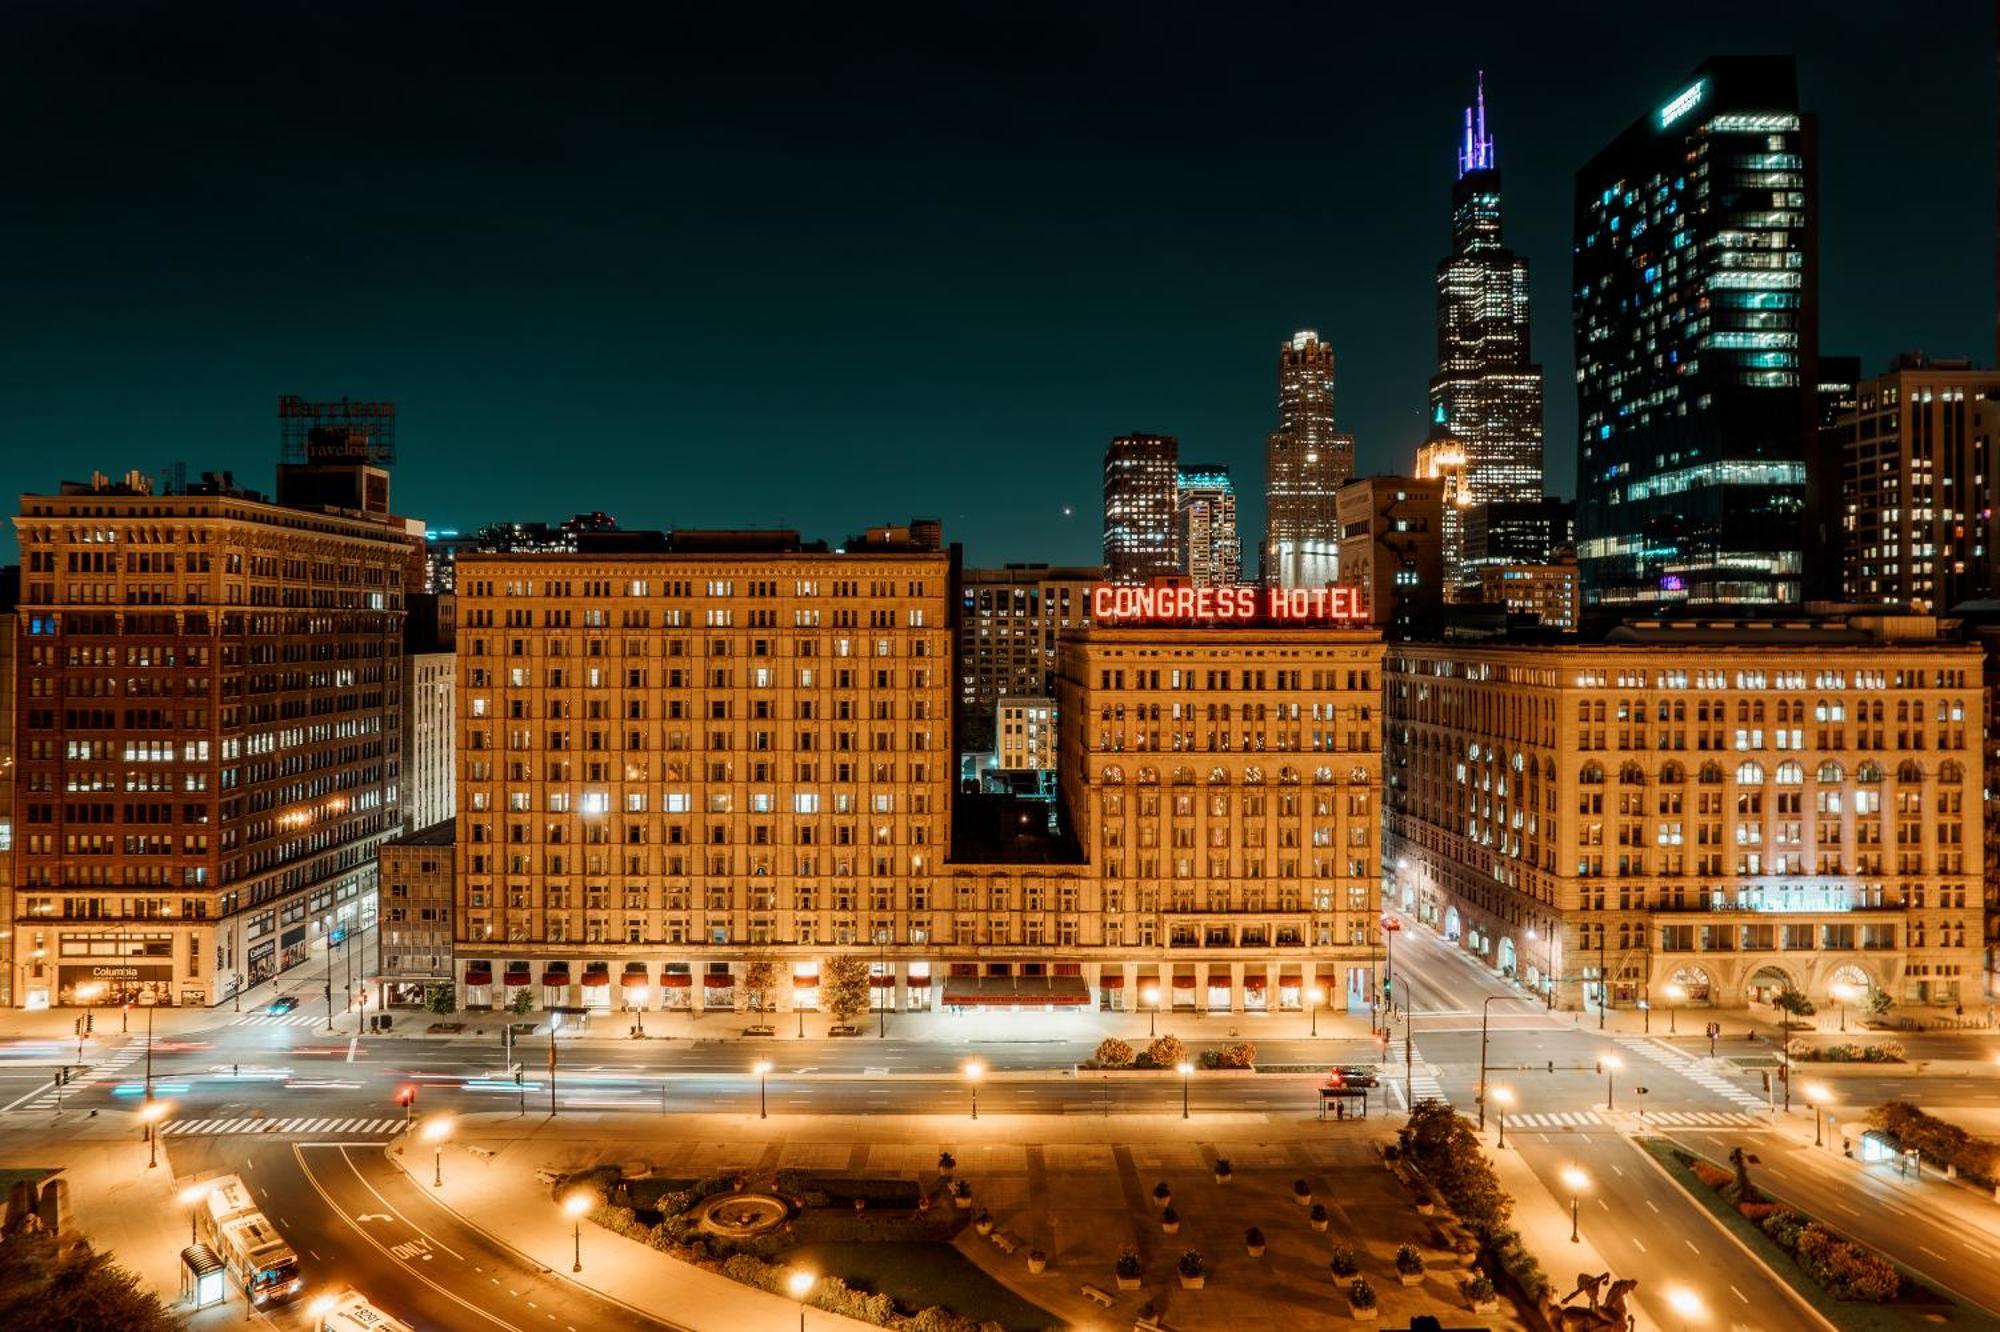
(440, 833)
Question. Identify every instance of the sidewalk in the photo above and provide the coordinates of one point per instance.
(116, 1202)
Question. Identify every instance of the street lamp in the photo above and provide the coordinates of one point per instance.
(1315, 996)
(1817, 1093)
(435, 1132)
(639, 994)
(1609, 1064)
(1151, 994)
(974, 1070)
(150, 1114)
(1186, 1071)
(1843, 992)
(1576, 1181)
(576, 1205)
(762, 1068)
(800, 1284)
(1502, 1097)
(319, 1309)
(1676, 996)
(192, 1197)
(1687, 1304)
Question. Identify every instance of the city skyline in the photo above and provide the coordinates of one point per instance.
(646, 371)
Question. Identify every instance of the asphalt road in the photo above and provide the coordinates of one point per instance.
(356, 1221)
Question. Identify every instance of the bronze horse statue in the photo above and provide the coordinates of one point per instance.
(1606, 1315)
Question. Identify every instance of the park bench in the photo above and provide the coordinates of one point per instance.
(1004, 1242)
(1103, 1297)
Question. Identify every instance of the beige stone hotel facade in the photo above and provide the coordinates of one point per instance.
(694, 773)
(1705, 813)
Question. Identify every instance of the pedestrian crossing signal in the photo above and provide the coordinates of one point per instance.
(406, 1095)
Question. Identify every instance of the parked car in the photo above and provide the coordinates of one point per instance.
(1352, 1075)
(284, 1003)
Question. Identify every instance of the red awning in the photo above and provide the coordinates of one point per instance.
(882, 982)
(597, 976)
(677, 980)
(555, 978)
(1069, 968)
(1253, 982)
(1183, 982)
(714, 981)
(478, 973)
(1002, 991)
(632, 980)
(1114, 981)
(517, 978)
(1289, 978)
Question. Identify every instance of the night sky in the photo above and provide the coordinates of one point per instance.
(837, 265)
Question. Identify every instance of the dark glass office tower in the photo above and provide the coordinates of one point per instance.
(1695, 310)
(1487, 392)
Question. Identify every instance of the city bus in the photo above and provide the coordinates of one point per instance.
(351, 1313)
(250, 1246)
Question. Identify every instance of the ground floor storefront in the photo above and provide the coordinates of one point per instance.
(166, 962)
(906, 985)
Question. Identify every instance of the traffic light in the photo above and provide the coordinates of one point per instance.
(89, 1023)
(406, 1095)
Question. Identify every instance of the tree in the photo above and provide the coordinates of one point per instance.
(843, 983)
(49, 1287)
(521, 1002)
(1793, 1003)
(1166, 1052)
(1880, 1002)
(760, 978)
(1112, 1053)
(443, 999)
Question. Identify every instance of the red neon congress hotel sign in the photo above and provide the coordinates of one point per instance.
(1223, 605)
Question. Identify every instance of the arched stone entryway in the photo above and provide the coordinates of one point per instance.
(1767, 982)
(1452, 925)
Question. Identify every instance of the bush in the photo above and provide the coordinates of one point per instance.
(1254, 1238)
(1939, 1140)
(1443, 1146)
(1190, 1264)
(1715, 1177)
(1301, 1188)
(1168, 1216)
(1222, 1166)
(1757, 1212)
(1318, 1212)
(1112, 1053)
(1846, 1052)
(1163, 1190)
(1848, 1271)
(1240, 1054)
(1783, 1226)
(1408, 1261)
(1479, 1290)
(1520, 1266)
(1128, 1262)
(1166, 1052)
(1344, 1263)
(1360, 1294)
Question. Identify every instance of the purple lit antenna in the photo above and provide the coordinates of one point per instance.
(1476, 153)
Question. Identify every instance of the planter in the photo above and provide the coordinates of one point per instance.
(1224, 1179)
(1303, 1199)
(1128, 1283)
(1163, 1200)
(1193, 1282)
(1320, 1225)
(1410, 1278)
(1171, 1227)
(1036, 1266)
(1368, 1315)
(962, 1204)
(1486, 1306)
(1426, 1209)
(1254, 1250)
(983, 1227)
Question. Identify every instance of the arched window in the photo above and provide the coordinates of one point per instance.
(1870, 771)
(1218, 777)
(1149, 776)
(1183, 776)
(1253, 776)
(1114, 776)
(1950, 772)
(1831, 773)
(1322, 775)
(1749, 773)
(1908, 771)
(1790, 773)
(1357, 777)
(1631, 774)
(1288, 776)
(1711, 774)
(1672, 774)
(1592, 775)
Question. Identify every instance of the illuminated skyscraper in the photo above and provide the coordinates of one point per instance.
(1696, 321)
(1487, 393)
(1305, 463)
(1141, 485)
(1443, 459)
(1211, 553)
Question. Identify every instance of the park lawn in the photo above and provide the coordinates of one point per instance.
(1849, 1315)
(919, 1275)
